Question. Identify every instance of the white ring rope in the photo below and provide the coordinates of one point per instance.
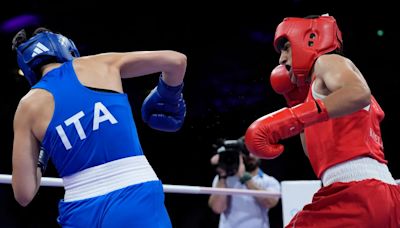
(57, 182)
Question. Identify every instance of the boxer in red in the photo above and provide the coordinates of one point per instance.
(338, 119)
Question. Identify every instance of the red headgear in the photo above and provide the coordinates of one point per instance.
(309, 38)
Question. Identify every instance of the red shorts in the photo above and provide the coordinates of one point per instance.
(368, 204)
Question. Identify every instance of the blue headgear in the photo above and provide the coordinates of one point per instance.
(43, 48)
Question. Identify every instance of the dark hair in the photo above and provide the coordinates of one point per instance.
(21, 36)
(312, 16)
(338, 51)
(39, 30)
(18, 39)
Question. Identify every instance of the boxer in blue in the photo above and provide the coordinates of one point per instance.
(78, 116)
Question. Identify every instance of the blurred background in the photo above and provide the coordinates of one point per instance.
(230, 56)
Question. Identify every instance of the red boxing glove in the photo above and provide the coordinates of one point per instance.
(263, 135)
(281, 83)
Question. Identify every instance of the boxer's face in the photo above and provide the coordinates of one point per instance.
(286, 59)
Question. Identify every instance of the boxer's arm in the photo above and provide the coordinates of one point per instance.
(134, 64)
(349, 92)
(25, 173)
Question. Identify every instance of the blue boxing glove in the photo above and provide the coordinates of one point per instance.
(164, 109)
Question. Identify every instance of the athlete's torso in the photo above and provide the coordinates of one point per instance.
(340, 139)
(88, 127)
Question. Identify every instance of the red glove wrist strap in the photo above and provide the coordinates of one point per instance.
(311, 112)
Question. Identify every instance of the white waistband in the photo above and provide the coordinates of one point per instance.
(108, 177)
(357, 169)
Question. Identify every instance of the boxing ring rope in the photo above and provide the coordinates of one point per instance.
(184, 189)
(57, 182)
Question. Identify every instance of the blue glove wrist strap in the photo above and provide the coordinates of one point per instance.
(167, 90)
(43, 160)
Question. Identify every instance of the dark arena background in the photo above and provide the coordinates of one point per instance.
(230, 57)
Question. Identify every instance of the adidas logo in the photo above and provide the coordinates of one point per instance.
(40, 48)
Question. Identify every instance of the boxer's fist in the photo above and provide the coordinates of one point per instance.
(164, 108)
(281, 84)
(263, 135)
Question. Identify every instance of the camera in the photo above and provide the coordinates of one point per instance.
(229, 154)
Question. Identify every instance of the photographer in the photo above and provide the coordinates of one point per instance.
(236, 168)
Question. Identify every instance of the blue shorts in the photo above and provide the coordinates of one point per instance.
(140, 205)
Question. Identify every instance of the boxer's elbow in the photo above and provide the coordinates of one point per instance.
(23, 198)
(179, 59)
(23, 193)
(355, 98)
(363, 96)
